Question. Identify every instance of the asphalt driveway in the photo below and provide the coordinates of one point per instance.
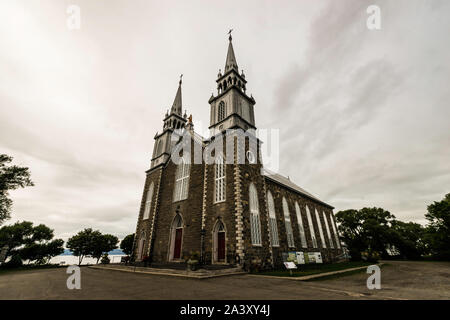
(399, 280)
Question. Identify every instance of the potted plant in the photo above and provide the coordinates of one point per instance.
(193, 261)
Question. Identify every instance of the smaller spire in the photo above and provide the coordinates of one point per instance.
(177, 103)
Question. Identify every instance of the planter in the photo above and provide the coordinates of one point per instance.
(192, 265)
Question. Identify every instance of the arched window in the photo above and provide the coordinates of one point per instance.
(221, 111)
(181, 181)
(336, 236)
(272, 220)
(220, 227)
(148, 202)
(141, 245)
(287, 223)
(255, 223)
(311, 228)
(219, 179)
(159, 148)
(177, 222)
(327, 227)
(319, 225)
(300, 226)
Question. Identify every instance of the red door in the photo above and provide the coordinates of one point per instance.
(177, 248)
(221, 246)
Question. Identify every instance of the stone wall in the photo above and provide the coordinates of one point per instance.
(199, 211)
(278, 192)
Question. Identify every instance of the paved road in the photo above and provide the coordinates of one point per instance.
(409, 280)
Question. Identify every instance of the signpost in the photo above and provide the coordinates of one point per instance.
(290, 265)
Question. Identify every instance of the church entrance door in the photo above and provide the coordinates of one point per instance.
(177, 247)
(221, 246)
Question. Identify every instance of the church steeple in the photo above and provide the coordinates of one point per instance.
(173, 120)
(232, 107)
(177, 103)
(231, 59)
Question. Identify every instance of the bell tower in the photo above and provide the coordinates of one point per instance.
(232, 107)
(172, 121)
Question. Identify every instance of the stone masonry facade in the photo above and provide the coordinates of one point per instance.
(180, 213)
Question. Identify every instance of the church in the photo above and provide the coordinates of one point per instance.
(228, 210)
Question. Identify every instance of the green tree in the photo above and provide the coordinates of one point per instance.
(438, 228)
(408, 239)
(103, 244)
(127, 244)
(91, 243)
(11, 178)
(41, 253)
(33, 243)
(366, 230)
(53, 248)
(16, 235)
(82, 244)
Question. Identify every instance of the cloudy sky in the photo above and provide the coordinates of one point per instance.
(363, 114)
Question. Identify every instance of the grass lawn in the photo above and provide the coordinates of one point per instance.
(309, 269)
(344, 274)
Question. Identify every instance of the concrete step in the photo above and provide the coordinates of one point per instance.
(198, 274)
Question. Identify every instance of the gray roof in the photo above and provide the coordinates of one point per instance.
(284, 181)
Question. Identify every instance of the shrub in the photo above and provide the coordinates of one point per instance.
(15, 262)
(105, 259)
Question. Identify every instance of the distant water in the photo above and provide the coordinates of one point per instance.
(70, 260)
(113, 252)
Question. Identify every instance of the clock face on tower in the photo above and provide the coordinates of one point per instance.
(250, 157)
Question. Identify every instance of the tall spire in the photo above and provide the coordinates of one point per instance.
(177, 105)
(231, 59)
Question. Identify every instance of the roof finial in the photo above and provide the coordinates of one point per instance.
(229, 32)
(181, 80)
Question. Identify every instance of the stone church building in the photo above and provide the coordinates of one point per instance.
(230, 210)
